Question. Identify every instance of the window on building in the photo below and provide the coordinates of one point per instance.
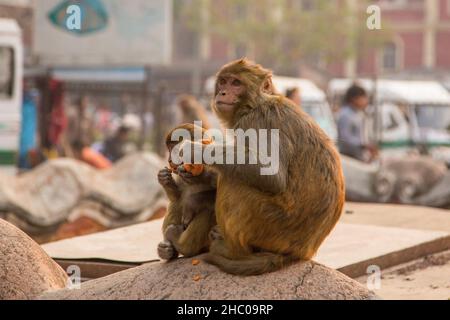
(6, 72)
(390, 56)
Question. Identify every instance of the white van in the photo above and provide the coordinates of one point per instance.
(11, 70)
(410, 114)
(314, 100)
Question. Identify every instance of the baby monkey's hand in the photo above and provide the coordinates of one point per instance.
(165, 178)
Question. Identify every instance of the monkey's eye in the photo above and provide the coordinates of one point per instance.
(222, 81)
(236, 83)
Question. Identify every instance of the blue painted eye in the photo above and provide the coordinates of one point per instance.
(94, 16)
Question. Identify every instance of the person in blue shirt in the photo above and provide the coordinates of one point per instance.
(353, 127)
(29, 126)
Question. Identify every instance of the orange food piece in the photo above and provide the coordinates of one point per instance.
(206, 141)
(195, 262)
(196, 277)
(195, 169)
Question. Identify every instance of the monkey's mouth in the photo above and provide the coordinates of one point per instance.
(224, 106)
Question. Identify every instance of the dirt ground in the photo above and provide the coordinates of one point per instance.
(423, 279)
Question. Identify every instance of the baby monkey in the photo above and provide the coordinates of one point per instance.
(191, 190)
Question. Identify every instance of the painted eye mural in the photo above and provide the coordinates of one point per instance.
(92, 16)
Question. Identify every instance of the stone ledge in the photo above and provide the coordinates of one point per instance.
(27, 272)
(181, 279)
(25, 269)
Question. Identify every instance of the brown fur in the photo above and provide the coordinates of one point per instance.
(190, 214)
(268, 222)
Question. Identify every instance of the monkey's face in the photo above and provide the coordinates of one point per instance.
(192, 133)
(229, 90)
(169, 160)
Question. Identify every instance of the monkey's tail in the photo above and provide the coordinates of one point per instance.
(254, 264)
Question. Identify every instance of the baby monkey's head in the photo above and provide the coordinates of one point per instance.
(176, 136)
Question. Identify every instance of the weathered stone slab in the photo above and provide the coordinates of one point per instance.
(25, 269)
(411, 180)
(135, 244)
(181, 279)
(398, 216)
(57, 190)
(28, 273)
(352, 248)
(439, 195)
(347, 245)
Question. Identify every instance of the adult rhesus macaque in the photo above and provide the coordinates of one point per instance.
(192, 194)
(268, 221)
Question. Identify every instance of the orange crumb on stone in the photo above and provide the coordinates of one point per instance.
(197, 277)
(195, 262)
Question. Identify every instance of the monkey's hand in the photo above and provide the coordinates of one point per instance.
(215, 234)
(166, 180)
(173, 232)
(166, 250)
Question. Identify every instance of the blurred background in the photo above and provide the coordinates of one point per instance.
(85, 104)
(89, 88)
(116, 83)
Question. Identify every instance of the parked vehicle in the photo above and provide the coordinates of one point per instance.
(409, 115)
(11, 70)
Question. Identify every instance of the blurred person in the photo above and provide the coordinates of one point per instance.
(88, 155)
(114, 148)
(353, 127)
(80, 123)
(293, 94)
(103, 119)
(28, 126)
(58, 122)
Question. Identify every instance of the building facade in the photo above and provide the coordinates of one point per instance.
(419, 41)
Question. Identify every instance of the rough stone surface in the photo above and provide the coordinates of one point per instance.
(405, 180)
(181, 279)
(439, 195)
(63, 190)
(25, 269)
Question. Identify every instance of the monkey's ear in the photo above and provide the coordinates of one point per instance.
(267, 86)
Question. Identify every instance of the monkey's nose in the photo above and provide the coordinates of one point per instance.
(223, 93)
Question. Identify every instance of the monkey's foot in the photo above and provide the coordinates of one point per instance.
(173, 232)
(166, 251)
(215, 234)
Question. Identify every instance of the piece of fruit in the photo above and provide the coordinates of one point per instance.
(195, 169)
